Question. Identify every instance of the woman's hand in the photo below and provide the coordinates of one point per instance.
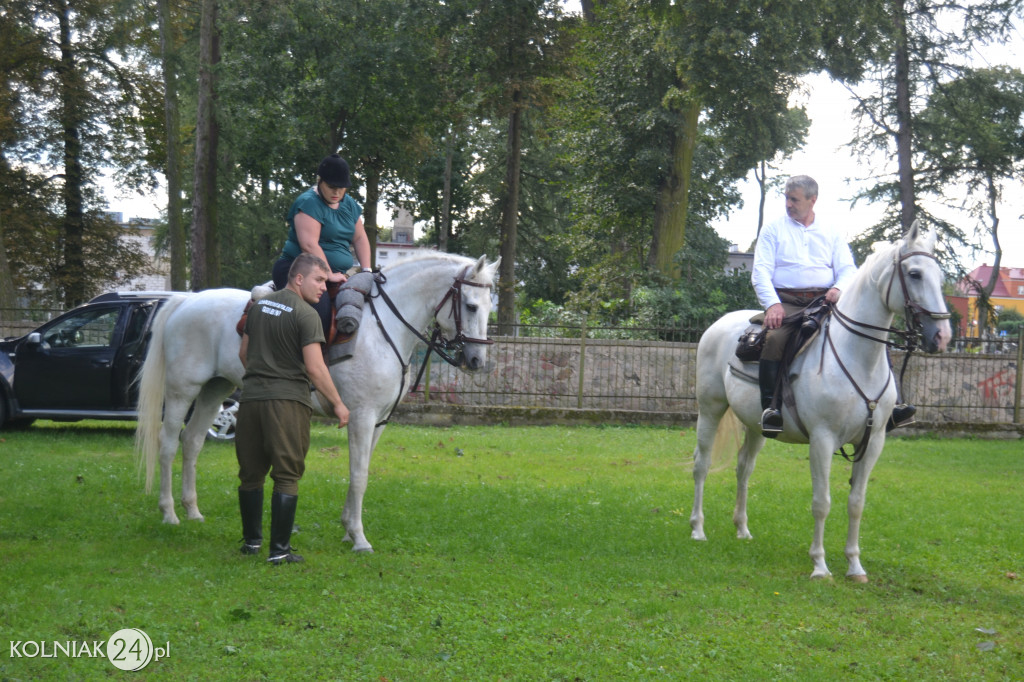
(337, 277)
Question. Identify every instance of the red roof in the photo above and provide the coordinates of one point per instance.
(1007, 285)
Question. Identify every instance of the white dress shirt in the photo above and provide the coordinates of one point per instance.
(791, 256)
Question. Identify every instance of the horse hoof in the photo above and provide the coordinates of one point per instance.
(821, 576)
(171, 520)
(363, 550)
(696, 535)
(859, 578)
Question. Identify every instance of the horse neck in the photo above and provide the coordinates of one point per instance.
(865, 302)
(416, 292)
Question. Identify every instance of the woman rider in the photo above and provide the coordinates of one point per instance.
(327, 222)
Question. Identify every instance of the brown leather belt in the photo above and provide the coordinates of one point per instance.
(804, 294)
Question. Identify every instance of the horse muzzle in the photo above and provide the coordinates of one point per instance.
(936, 334)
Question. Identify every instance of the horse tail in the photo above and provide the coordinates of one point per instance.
(151, 392)
(728, 438)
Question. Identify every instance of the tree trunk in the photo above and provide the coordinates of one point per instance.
(8, 296)
(445, 228)
(510, 221)
(72, 287)
(904, 141)
(204, 194)
(674, 197)
(983, 303)
(370, 210)
(762, 184)
(175, 224)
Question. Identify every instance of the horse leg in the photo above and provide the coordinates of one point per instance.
(821, 503)
(707, 426)
(205, 409)
(362, 437)
(170, 431)
(710, 433)
(855, 506)
(753, 441)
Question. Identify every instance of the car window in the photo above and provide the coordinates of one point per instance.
(136, 324)
(87, 329)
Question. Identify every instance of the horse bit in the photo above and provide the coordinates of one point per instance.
(450, 350)
(911, 338)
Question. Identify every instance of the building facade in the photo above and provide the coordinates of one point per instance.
(1008, 294)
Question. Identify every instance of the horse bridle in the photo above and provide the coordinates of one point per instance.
(450, 350)
(911, 337)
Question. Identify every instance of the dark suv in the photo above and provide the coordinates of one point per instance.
(82, 365)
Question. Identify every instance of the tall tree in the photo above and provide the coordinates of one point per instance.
(971, 134)
(517, 42)
(72, 121)
(205, 254)
(916, 46)
(172, 122)
(734, 66)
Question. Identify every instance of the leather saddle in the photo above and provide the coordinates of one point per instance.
(808, 322)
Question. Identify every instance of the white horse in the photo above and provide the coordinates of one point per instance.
(842, 384)
(193, 361)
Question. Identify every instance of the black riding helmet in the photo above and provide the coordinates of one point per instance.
(334, 171)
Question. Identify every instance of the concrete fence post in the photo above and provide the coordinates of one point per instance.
(1020, 375)
(583, 360)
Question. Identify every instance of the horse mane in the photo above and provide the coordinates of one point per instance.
(428, 255)
(874, 264)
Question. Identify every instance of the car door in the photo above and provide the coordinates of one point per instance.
(69, 366)
(131, 353)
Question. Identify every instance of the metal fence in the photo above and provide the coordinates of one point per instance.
(20, 321)
(568, 368)
(653, 370)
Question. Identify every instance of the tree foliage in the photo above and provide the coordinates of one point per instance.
(591, 152)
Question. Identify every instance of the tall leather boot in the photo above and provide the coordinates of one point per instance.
(902, 415)
(250, 502)
(282, 518)
(767, 378)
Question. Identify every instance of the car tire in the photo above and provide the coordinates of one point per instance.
(223, 427)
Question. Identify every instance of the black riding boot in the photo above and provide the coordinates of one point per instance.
(771, 418)
(902, 415)
(282, 518)
(250, 502)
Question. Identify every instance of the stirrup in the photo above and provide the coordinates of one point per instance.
(902, 415)
(771, 423)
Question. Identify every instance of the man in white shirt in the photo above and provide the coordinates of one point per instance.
(797, 259)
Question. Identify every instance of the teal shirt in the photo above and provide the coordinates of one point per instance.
(337, 228)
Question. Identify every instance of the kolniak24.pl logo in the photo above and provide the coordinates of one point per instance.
(127, 649)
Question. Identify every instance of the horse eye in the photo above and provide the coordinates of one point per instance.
(472, 307)
(914, 274)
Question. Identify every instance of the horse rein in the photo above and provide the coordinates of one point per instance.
(911, 339)
(448, 349)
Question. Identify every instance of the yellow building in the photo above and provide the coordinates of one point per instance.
(1008, 294)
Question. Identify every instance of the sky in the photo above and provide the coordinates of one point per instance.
(823, 157)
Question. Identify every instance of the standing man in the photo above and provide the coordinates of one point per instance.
(797, 259)
(281, 354)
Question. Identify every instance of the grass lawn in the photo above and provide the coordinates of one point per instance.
(533, 553)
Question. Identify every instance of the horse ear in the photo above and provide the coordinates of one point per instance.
(483, 267)
(918, 235)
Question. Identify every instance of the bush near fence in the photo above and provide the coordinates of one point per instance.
(535, 371)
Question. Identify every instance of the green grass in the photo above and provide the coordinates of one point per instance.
(518, 554)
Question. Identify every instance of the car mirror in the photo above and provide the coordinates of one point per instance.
(35, 338)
